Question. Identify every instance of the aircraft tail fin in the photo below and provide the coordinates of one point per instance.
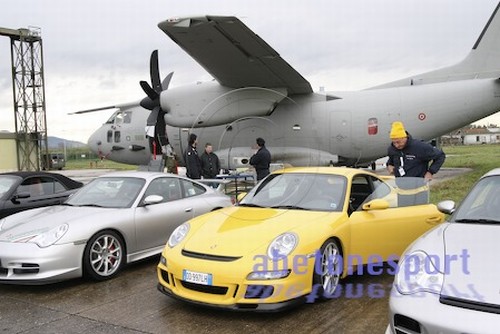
(484, 58)
(482, 62)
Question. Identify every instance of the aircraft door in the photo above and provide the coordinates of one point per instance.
(179, 140)
(340, 133)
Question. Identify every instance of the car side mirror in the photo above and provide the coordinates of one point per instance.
(376, 204)
(153, 199)
(15, 198)
(447, 207)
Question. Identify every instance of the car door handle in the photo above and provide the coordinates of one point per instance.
(188, 210)
(434, 220)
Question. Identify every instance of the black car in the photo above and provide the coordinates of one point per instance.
(26, 190)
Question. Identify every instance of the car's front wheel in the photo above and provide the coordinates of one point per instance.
(328, 271)
(104, 255)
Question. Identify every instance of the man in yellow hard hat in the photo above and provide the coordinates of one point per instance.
(409, 157)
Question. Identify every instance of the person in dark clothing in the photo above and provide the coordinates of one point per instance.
(209, 163)
(409, 157)
(193, 162)
(261, 160)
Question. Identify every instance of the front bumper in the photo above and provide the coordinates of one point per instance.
(253, 307)
(424, 313)
(229, 287)
(26, 263)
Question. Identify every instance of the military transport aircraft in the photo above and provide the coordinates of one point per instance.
(258, 94)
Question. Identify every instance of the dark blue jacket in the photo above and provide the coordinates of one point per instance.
(193, 163)
(210, 165)
(415, 158)
(261, 161)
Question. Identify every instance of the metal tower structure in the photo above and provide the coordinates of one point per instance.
(29, 96)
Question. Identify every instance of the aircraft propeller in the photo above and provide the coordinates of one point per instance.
(152, 100)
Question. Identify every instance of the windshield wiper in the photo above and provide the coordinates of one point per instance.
(292, 207)
(91, 205)
(477, 221)
(251, 205)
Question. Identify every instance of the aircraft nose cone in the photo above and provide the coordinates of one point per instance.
(94, 142)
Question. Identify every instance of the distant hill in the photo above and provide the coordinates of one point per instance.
(58, 143)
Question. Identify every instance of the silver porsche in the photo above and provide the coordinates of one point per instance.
(116, 219)
(449, 279)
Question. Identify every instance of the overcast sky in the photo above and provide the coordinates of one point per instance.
(97, 51)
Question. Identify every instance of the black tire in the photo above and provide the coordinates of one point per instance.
(327, 275)
(104, 256)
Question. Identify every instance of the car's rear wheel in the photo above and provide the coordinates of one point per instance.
(327, 273)
(104, 255)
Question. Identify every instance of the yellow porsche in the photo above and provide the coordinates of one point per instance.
(293, 237)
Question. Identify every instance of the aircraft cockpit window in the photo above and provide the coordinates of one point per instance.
(117, 136)
(109, 136)
(123, 117)
(120, 117)
(111, 120)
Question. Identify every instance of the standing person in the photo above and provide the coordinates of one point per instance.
(261, 159)
(409, 157)
(169, 157)
(193, 162)
(210, 164)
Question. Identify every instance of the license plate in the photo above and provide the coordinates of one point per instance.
(195, 277)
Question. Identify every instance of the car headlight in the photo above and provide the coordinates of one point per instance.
(282, 245)
(178, 235)
(417, 273)
(46, 239)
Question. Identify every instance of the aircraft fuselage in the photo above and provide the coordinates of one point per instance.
(309, 129)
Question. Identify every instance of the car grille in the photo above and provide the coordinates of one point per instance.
(210, 257)
(24, 268)
(215, 290)
(3, 271)
(470, 305)
(406, 325)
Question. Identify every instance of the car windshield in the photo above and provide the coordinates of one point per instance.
(299, 191)
(108, 192)
(482, 204)
(6, 183)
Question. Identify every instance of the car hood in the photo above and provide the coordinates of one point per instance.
(239, 231)
(474, 270)
(36, 221)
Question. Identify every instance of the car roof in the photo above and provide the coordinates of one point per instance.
(69, 182)
(344, 171)
(492, 172)
(139, 174)
(24, 174)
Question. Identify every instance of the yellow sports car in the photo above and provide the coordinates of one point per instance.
(293, 236)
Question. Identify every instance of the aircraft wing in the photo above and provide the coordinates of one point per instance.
(234, 55)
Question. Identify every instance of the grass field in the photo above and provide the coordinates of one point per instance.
(480, 158)
(97, 164)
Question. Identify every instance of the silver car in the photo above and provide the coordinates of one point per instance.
(449, 279)
(116, 219)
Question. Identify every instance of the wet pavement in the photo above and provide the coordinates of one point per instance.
(130, 303)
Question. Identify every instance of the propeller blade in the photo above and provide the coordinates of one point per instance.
(155, 72)
(166, 81)
(150, 92)
(153, 116)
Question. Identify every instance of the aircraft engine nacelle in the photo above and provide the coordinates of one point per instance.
(210, 104)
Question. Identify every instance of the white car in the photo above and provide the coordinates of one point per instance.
(449, 279)
(116, 219)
